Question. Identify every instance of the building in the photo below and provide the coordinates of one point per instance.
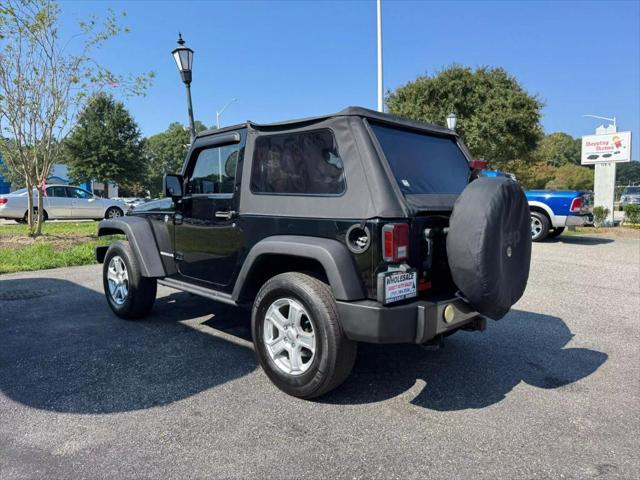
(59, 176)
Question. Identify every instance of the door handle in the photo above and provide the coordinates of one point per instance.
(226, 215)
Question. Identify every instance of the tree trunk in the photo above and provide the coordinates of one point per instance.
(30, 207)
(40, 210)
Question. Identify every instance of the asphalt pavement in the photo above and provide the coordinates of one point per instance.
(550, 391)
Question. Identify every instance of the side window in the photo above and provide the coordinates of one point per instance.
(306, 163)
(215, 170)
(56, 192)
(77, 193)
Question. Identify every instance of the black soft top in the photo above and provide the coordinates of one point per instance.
(371, 189)
(362, 112)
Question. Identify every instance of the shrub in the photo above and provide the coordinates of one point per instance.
(600, 215)
(632, 214)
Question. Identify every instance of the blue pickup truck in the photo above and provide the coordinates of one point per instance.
(553, 210)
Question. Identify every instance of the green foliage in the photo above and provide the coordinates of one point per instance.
(572, 177)
(105, 144)
(600, 214)
(498, 120)
(628, 173)
(632, 214)
(558, 149)
(165, 152)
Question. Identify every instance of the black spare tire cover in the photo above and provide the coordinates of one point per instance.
(489, 244)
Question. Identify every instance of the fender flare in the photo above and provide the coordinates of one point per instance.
(543, 206)
(143, 243)
(334, 257)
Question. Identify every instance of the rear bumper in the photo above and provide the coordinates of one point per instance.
(578, 220)
(416, 322)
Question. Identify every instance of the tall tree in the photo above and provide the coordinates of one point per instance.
(165, 153)
(558, 149)
(572, 177)
(44, 82)
(105, 144)
(498, 120)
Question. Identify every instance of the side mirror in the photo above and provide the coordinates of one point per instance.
(172, 185)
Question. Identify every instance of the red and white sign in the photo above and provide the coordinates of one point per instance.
(610, 147)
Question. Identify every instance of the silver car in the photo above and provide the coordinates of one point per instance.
(61, 202)
(630, 196)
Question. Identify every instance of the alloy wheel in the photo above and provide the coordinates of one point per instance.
(118, 280)
(536, 227)
(289, 336)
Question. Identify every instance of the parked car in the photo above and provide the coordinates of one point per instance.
(553, 210)
(353, 227)
(61, 202)
(630, 196)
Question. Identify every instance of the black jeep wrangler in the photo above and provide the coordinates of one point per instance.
(353, 227)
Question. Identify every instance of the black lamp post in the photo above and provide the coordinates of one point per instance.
(184, 60)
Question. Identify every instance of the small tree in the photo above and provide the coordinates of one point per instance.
(600, 214)
(632, 214)
(43, 85)
(105, 144)
(498, 120)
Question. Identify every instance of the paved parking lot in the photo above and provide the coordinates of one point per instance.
(550, 391)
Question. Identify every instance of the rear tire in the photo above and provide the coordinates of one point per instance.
(540, 226)
(555, 232)
(297, 336)
(129, 294)
(113, 212)
(25, 219)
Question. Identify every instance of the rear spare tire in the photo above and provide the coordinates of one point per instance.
(489, 244)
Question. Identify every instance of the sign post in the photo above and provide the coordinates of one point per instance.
(604, 150)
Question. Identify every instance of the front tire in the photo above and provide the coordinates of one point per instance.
(297, 336)
(129, 294)
(540, 226)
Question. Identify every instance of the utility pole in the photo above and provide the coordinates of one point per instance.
(380, 83)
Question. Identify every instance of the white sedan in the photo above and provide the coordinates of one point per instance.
(61, 202)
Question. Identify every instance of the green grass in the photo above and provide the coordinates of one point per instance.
(53, 228)
(61, 245)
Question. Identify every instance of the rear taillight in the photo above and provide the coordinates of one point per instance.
(395, 242)
(3, 200)
(478, 165)
(576, 204)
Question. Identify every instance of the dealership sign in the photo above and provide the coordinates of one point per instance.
(610, 147)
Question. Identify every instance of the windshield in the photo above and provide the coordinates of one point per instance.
(423, 163)
(632, 191)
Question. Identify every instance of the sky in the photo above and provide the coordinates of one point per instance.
(291, 59)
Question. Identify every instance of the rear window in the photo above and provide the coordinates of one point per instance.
(632, 191)
(306, 163)
(423, 163)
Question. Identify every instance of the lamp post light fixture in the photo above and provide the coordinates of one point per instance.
(452, 121)
(184, 60)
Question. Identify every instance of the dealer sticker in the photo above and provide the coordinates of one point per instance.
(400, 285)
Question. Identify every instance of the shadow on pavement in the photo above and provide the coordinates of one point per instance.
(472, 370)
(65, 351)
(580, 240)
